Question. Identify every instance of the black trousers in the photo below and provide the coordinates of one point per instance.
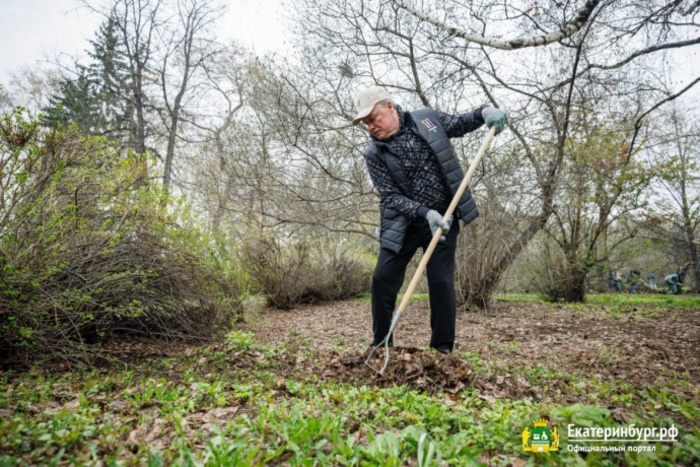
(389, 275)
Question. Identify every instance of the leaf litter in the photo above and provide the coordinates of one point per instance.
(509, 340)
(330, 341)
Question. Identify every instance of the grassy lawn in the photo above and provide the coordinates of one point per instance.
(686, 302)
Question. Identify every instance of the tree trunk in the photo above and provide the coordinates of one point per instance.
(480, 295)
(575, 291)
(693, 251)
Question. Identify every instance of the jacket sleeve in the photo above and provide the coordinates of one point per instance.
(391, 194)
(458, 125)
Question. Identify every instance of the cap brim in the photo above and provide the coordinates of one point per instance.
(362, 114)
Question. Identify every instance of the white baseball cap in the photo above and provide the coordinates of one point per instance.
(367, 99)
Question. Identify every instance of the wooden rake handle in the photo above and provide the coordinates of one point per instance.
(438, 232)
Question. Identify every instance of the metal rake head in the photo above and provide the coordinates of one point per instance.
(385, 344)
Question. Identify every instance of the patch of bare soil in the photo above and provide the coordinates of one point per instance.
(590, 344)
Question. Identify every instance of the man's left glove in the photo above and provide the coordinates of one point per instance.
(494, 117)
(435, 220)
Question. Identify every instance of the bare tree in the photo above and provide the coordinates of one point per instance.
(220, 136)
(606, 64)
(675, 206)
(187, 46)
(283, 161)
(137, 22)
(29, 88)
(166, 46)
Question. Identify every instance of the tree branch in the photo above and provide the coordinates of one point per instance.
(638, 123)
(568, 29)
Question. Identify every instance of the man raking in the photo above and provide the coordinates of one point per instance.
(414, 169)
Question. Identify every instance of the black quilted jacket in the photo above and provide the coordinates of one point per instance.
(415, 170)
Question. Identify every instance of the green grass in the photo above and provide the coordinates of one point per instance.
(686, 302)
(203, 409)
(689, 302)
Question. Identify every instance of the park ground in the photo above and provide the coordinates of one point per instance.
(292, 388)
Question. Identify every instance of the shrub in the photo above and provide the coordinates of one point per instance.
(276, 270)
(91, 247)
(554, 278)
(306, 271)
(337, 272)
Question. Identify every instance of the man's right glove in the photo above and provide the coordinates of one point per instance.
(435, 220)
(494, 117)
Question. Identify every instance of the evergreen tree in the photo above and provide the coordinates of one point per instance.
(76, 102)
(110, 71)
(97, 99)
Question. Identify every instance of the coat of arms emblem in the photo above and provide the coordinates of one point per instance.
(540, 438)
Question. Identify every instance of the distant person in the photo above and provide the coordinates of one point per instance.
(619, 280)
(673, 284)
(651, 279)
(634, 278)
(611, 280)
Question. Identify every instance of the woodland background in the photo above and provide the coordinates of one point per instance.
(171, 174)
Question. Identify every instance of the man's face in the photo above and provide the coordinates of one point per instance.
(383, 121)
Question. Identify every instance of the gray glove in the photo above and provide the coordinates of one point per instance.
(435, 220)
(494, 117)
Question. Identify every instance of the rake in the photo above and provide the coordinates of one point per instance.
(426, 257)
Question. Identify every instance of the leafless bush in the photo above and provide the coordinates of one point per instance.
(338, 273)
(277, 270)
(552, 276)
(306, 271)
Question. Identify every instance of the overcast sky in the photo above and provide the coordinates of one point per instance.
(35, 31)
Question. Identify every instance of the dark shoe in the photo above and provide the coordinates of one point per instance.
(444, 349)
